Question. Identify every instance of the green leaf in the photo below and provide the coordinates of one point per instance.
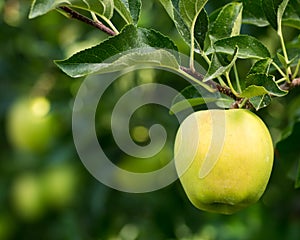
(129, 9)
(228, 22)
(282, 60)
(294, 55)
(252, 13)
(201, 28)
(294, 43)
(259, 102)
(103, 8)
(189, 11)
(270, 8)
(192, 97)
(123, 10)
(214, 14)
(293, 51)
(172, 8)
(249, 47)
(274, 10)
(190, 19)
(188, 103)
(93, 59)
(218, 67)
(169, 6)
(261, 66)
(292, 22)
(291, 15)
(193, 15)
(137, 57)
(261, 84)
(280, 12)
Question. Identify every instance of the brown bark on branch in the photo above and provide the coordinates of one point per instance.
(291, 85)
(225, 90)
(82, 18)
(217, 86)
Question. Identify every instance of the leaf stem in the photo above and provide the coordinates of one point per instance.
(281, 80)
(192, 49)
(112, 26)
(288, 70)
(205, 57)
(236, 74)
(192, 67)
(184, 72)
(279, 69)
(82, 18)
(230, 85)
(245, 100)
(296, 70)
(221, 81)
(215, 86)
(94, 16)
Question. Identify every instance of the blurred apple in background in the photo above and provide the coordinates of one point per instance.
(59, 183)
(35, 194)
(30, 125)
(27, 197)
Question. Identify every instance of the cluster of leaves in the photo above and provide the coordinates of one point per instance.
(216, 37)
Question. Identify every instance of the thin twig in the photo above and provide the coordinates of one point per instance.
(82, 18)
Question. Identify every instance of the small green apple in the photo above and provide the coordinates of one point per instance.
(27, 197)
(30, 125)
(223, 158)
(59, 185)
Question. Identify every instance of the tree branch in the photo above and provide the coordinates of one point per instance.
(82, 18)
(225, 90)
(288, 86)
(221, 89)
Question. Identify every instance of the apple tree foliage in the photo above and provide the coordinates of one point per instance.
(217, 38)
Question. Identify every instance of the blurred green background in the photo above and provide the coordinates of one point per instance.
(45, 191)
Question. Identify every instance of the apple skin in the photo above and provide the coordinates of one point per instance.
(239, 164)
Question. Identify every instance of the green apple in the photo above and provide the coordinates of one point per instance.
(27, 197)
(59, 184)
(30, 125)
(224, 159)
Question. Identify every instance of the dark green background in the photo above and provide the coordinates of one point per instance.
(94, 211)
